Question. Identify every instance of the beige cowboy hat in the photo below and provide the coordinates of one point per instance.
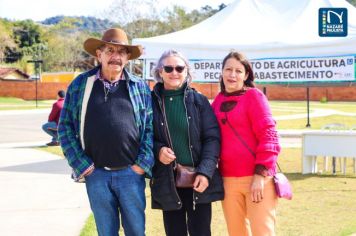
(114, 36)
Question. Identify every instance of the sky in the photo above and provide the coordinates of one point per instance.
(39, 10)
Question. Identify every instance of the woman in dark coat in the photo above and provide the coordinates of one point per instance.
(186, 132)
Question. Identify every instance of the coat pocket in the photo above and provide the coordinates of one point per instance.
(215, 190)
(163, 194)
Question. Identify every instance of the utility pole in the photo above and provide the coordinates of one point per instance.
(308, 108)
(38, 74)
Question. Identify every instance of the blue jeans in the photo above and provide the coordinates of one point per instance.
(51, 129)
(117, 192)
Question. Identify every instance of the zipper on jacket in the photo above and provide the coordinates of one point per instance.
(190, 145)
(161, 107)
(186, 117)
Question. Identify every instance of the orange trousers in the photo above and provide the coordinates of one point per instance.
(244, 217)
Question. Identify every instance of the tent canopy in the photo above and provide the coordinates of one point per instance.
(259, 29)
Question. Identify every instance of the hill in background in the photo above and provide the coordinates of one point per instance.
(83, 23)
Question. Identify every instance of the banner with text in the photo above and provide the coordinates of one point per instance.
(321, 69)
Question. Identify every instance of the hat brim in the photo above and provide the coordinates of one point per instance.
(92, 44)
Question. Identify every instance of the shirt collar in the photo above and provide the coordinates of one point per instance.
(98, 76)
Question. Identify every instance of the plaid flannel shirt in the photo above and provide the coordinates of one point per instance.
(70, 123)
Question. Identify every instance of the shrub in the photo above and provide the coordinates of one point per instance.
(323, 99)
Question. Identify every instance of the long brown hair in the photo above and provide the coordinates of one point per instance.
(247, 65)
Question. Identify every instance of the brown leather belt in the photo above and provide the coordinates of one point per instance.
(115, 168)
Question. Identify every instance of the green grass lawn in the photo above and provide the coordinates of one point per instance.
(316, 122)
(54, 150)
(281, 108)
(9, 103)
(301, 105)
(323, 204)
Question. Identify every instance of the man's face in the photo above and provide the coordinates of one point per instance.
(113, 59)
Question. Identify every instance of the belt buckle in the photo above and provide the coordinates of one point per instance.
(114, 168)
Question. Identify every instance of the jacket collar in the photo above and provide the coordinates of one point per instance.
(129, 77)
(158, 88)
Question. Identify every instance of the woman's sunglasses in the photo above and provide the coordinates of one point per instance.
(169, 69)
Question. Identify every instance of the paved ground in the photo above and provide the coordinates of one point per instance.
(23, 126)
(37, 195)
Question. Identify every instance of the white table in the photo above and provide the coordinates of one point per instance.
(326, 143)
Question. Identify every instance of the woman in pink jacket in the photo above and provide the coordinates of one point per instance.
(249, 150)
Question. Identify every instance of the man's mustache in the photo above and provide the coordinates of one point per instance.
(115, 62)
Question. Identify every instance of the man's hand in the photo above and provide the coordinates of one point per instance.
(137, 169)
(89, 172)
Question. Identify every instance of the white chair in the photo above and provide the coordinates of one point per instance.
(335, 127)
(354, 159)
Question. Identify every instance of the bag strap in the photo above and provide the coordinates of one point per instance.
(166, 130)
(243, 141)
(238, 136)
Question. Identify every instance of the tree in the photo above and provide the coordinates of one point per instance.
(27, 33)
(7, 43)
(64, 50)
(352, 2)
(123, 12)
(60, 42)
(178, 19)
(143, 28)
(128, 14)
(221, 6)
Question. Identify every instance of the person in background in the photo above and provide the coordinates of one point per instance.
(52, 125)
(106, 134)
(185, 132)
(249, 150)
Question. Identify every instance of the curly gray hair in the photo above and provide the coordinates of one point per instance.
(159, 65)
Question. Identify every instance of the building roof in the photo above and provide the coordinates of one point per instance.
(10, 73)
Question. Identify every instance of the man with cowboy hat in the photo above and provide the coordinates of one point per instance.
(105, 131)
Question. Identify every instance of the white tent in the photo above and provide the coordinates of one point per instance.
(260, 29)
